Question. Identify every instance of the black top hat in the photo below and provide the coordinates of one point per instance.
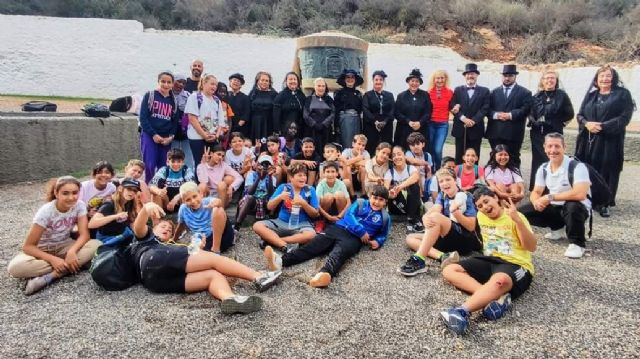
(415, 74)
(471, 68)
(238, 76)
(341, 80)
(509, 70)
(380, 73)
(130, 183)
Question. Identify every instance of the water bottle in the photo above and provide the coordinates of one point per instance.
(294, 218)
(194, 246)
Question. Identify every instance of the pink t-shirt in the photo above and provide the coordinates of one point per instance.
(467, 178)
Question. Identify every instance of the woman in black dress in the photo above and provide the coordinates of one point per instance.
(348, 103)
(288, 105)
(319, 114)
(605, 113)
(413, 110)
(262, 97)
(377, 113)
(552, 111)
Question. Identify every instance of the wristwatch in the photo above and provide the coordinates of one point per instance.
(550, 197)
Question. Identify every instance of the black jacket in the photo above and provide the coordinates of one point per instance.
(518, 104)
(416, 107)
(475, 108)
(556, 108)
(348, 99)
(288, 107)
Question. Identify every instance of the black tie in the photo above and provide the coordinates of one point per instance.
(471, 88)
(506, 92)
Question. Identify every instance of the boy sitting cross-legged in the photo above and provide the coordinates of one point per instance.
(165, 184)
(204, 217)
(333, 195)
(503, 273)
(355, 159)
(365, 223)
(298, 203)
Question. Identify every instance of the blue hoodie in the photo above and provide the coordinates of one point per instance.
(364, 221)
(161, 120)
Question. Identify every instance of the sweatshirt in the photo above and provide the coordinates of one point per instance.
(160, 119)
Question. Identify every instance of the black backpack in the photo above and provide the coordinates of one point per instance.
(121, 104)
(96, 110)
(34, 106)
(113, 268)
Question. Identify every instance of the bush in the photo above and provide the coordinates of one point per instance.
(507, 18)
(540, 49)
(469, 13)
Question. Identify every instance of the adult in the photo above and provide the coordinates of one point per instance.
(566, 203)
(605, 112)
(551, 112)
(197, 67)
(510, 104)
(288, 105)
(470, 105)
(348, 103)
(412, 110)
(318, 114)
(181, 140)
(206, 116)
(240, 104)
(262, 97)
(440, 95)
(377, 113)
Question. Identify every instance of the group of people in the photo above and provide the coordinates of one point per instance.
(324, 174)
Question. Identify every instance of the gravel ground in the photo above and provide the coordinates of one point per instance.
(584, 308)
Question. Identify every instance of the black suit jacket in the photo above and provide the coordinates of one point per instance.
(519, 104)
(475, 108)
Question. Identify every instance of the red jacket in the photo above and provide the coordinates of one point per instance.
(440, 112)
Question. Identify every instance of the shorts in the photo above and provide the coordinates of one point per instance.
(481, 268)
(458, 239)
(226, 242)
(282, 228)
(163, 269)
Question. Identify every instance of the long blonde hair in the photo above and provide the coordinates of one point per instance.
(120, 204)
(204, 80)
(432, 78)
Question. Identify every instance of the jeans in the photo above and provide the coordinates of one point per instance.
(437, 135)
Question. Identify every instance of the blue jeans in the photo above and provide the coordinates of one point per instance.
(437, 136)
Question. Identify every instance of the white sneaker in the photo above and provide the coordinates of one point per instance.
(555, 235)
(574, 251)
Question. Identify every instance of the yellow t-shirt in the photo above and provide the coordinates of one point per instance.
(500, 239)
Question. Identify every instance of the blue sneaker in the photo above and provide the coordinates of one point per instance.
(498, 308)
(413, 267)
(456, 320)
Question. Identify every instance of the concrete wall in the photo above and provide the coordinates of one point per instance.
(43, 146)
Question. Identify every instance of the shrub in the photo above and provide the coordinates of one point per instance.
(540, 48)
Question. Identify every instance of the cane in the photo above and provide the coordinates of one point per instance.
(464, 140)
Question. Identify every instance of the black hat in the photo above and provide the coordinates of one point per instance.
(380, 73)
(341, 80)
(415, 74)
(129, 182)
(471, 68)
(238, 76)
(509, 70)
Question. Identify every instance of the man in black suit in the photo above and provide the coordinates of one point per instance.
(510, 106)
(469, 105)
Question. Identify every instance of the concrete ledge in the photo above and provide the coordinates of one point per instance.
(39, 146)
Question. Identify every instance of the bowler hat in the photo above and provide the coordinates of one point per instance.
(238, 76)
(509, 70)
(415, 74)
(471, 68)
(341, 80)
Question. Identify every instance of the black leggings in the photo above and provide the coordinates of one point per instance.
(339, 243)
(409, 206)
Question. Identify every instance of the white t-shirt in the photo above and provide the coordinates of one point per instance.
(558, 181)
(399, 176)
(505, 177)
(347, 154)
(57, 225)
(428, 158)
(236, 162)
(94, 197)
(210, 113)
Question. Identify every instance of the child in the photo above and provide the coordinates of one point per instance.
(135, 169)
(503, 176)
(469, 173)
(222, 93)
(49, 253)
(204, 217)
(115, 217)
(404, 192)
(420, 158)
(451, 228)
(239, 157)
(504, 272)
(258, 188)
(332, 194)
(434, 188)
(309, 158)
(216, 177)
(96, 191)
(330, 153)
(165, 185)
(354, 163)
(290, 229)
(167, 268)
(377, 166)
(278, 158)
(365, 223)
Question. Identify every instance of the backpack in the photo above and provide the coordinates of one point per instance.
(121, 104)
(385, 214)
(112, 268)
(96, 110)
(33, 106)
(600, 192)
(184, 121)
(392, 172)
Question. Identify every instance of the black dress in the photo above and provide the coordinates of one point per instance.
(605, 150)
(557, 110)
(288, 108)
(241, 106)
(412, 107)
(318, 116)
(377, 107)
(262, 113)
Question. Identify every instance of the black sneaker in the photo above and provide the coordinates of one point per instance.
(241, 304)
(418, 227)
(413, 267)
(410, 228)
(604, 212)
(263, 244)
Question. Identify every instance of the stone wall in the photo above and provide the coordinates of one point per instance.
(39, 146)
